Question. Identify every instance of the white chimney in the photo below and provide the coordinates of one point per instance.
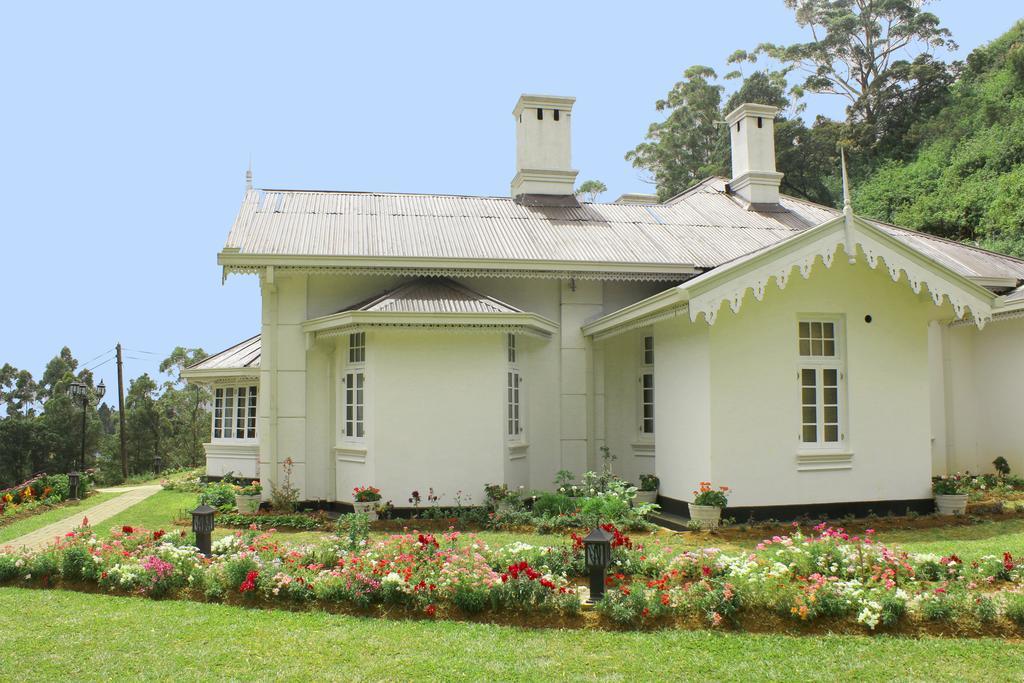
(752, 133)
(544, 146)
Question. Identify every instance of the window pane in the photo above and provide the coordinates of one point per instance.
(815, 330)
(831, 433)
(805, 330)
(828, 331)
(810, 414)
(810, 434)
(805, 347)
(808, 377)
(830, 348)
(831, 377)
(831, 414)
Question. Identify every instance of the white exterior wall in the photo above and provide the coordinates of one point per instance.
(755, 412)
(634, 450)
(437, 414)
(682, 409)
(984, 382)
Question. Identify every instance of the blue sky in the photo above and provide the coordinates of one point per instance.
(127, 128)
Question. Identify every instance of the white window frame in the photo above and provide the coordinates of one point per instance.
(352, 394)
(646, 425)
(819, 364)
(235, 409)
(515, 422)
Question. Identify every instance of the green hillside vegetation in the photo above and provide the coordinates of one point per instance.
(965, 179)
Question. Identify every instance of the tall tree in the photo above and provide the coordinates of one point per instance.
(186, 408)
(859, 48)
(681, 149)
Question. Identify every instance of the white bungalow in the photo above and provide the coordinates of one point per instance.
(803, 356)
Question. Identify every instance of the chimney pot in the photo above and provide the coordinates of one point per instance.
(544, 147)
(754, 177)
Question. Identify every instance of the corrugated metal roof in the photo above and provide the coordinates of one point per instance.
(703, 227)
(441, 295)
(245, 354)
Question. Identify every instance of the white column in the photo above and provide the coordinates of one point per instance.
(580, 300)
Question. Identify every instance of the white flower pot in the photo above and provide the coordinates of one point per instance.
(247, 505)
(646, 497)
(955, 504)
(708, 516)
(368, 508)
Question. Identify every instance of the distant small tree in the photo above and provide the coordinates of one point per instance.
(591, 190)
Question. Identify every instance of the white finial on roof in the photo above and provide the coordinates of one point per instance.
(248, 175)
(851, 250)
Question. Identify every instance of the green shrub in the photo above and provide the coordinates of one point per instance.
(218, 495)
(1015, 608)
(354, 528)
(893, 610)
(985, 609)
(77, 564)
(552, 505)
(471, 599)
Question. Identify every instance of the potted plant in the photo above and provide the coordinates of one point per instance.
(648, 491)
(365, 500)
(247, 498)
(708, 503)
(950, 493)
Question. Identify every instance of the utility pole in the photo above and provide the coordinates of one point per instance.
(120, 413)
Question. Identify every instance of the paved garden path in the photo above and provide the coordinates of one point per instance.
(97, 513)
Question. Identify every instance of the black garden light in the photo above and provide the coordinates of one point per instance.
(597, 548)
(74, 479)
(157, 462)
(202, 525)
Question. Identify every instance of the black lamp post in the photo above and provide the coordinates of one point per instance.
(79, 391)
(157, 462)
(597, 547)
(202, 525)
(73, 481)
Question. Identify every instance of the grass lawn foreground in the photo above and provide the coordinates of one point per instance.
(106, 637)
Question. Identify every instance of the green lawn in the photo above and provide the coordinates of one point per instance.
(30, 524)
(108, 638)
(156, 512)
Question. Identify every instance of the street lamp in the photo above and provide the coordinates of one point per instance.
(79, 391)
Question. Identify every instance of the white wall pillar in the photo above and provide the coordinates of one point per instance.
(580, 301)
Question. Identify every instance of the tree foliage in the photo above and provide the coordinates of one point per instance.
(591, 190)
(964, 179)
(41, 427)
(858, 49)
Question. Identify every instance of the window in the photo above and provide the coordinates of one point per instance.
(354, 381)
(820, 375)
(514, 391)
(234, 412)
(357, 347)
(647, 387)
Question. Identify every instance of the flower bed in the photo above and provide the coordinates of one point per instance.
(827, 578)
(39, 493)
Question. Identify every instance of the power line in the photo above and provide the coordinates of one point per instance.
(103, 353)
(93, 367)
(151, 353)
(101, 364)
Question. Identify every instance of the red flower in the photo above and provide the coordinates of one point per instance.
(250, 582)
(705, 570)
(127, 530)
(1008, 562)
(431, 610)
(157, 535)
